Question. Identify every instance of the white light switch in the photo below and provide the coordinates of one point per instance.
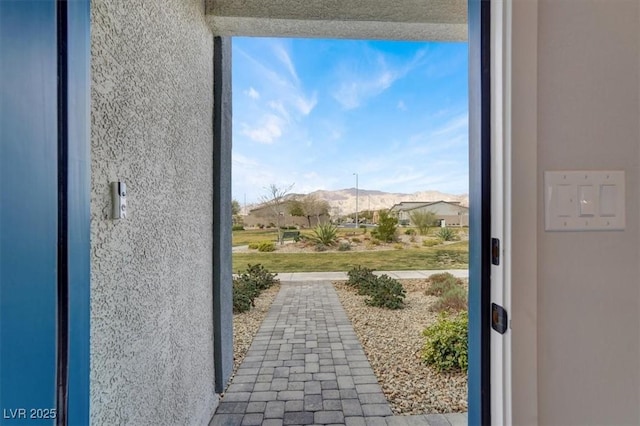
(608, 200)
(584, 200)
(587, 200)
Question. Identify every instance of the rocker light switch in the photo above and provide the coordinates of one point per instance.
(587, 200)
(584, 200)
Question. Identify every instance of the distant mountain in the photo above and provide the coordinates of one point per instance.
(343, 201)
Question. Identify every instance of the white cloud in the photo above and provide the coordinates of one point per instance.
(269, 130)
(364, 82)
(252, 93)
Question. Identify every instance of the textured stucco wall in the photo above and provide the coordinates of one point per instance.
(151, 315)
(370, 19)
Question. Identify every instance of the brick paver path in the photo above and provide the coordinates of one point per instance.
(306, 366)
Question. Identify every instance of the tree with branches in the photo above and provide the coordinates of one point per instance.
(275, 200)
(423, 220)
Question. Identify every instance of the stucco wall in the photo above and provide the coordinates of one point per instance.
(588, 310)
(151, 316)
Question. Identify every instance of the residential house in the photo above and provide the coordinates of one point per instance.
(451, 213)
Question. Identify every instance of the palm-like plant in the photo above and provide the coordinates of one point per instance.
(325, 234)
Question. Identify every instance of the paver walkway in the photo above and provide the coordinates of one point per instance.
(306, 366)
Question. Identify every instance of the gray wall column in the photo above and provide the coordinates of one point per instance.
(222, 276)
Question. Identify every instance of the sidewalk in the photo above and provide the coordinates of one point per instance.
(320, 276)
(306, 366)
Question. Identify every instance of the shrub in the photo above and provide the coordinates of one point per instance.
(387, 227)
(375, 242)
(398, 246)
(446, 234)
(446, 346)
(441, 283)
(386, 292)
(452, 300)
(383, 291)
(243, 296)
(267, 246)
(248, 285)
(260, 276)
(320, 247)
(325, 234)
(254, 245)
(410, 231)
(344, 246)
(357, 274)
(237, 228)
(356, 240)
(430, 243)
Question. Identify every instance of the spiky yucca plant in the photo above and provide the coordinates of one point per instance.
(325, 234)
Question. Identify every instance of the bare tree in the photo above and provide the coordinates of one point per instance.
(423, 220)
(274, 201)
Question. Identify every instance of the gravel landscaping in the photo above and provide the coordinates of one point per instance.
(392, 341)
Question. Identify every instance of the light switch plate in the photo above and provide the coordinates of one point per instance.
(584, 200)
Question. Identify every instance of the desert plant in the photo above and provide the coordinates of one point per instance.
(387, 227)
(454, 299)
(356, 240)
(344, 246)
(385, 292)
(423, 220)
(410, 231)
(446, 345)
(266, 246)
(441, 283)
(430, 243)
(446, 234)
(357, 274)
(325, 234)
(254, 245)
(398, 246)
(248, 285)
(237, 228)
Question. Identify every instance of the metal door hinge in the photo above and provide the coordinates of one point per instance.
(495, 251)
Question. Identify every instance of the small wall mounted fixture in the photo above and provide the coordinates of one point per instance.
(119, 200)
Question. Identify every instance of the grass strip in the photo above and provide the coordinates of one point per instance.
(385, 260)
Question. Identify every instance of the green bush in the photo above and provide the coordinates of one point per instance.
(447, 234)
(254, 245)
(267, 246)
(452, 300)
(441, 283)
(446, 345)
(387, 227)
(410, 231)
(260, 276)
(344, 246)
(383, 291)
(325, 234)
(430, 243)
(358, 274)
(248, 285)
(386, 292)
(237, 228)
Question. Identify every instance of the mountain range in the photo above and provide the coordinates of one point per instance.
(343, 201)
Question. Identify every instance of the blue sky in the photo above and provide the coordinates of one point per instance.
(313, 112)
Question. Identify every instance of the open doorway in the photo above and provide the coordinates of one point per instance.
(355, 124)
(479, 159)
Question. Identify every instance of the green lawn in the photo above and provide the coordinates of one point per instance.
(453, 256)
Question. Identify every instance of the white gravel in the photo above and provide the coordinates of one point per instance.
(393, 342)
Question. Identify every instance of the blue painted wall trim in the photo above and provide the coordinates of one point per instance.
(479, 220)
(78, 208)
